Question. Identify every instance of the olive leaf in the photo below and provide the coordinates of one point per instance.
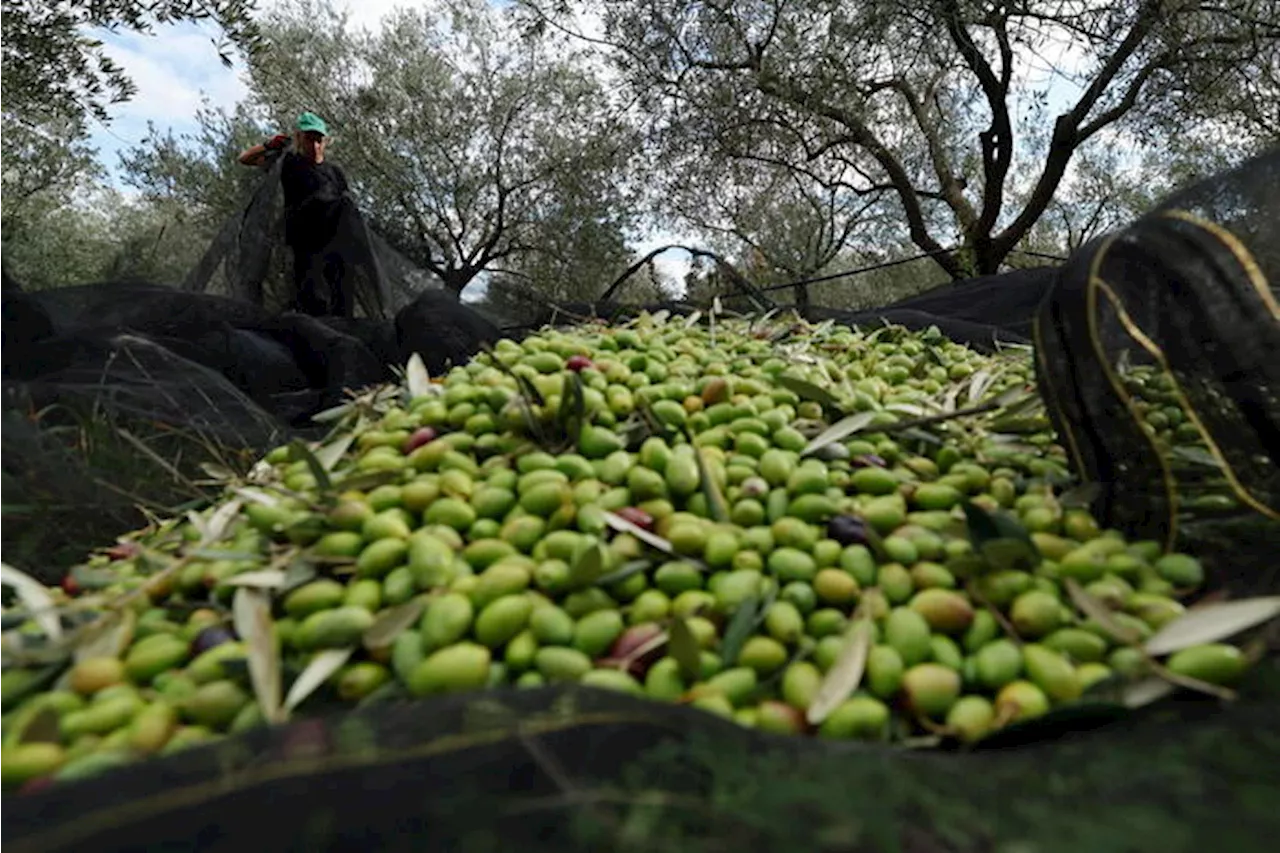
(951, 398)
(620, 524)
(806, 390)
(335, 413)
(1011, 397)
(265, 579)
(716, 504)
(251, 609)
(586, 570)
(1081, 496)
(922, 436)
(572, 413)
(35, 598)
(299, 572)
(417, 379)
(1098, 612)
(389, 623)
(218, 473)
(683, 647)
(43, 727)
(1211, 623)
(839, 431)
(1018, 399)
(527, 388)
(331, 454)
(32, 685)
(739, 628)
(108, 636)
(846, 673)
(629, 568)
(979, 384)
(1136, 694)
(298, 451)
(1195, 455)
(257, 496)
(999, 538)
(322, 666)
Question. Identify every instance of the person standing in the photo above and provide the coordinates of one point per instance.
(315, 192)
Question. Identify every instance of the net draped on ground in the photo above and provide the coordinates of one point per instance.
(1191, 288)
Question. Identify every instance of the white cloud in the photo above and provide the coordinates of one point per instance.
(173, 70)
(177, 67)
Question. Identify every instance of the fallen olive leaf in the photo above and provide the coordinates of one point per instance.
(252, 614)
(839, 431)
(36, 598)
(1097, 611)
(845, 674)
(322, 666)
(1211, 623)
(684, 649)
(620, 524)
(417, 379)
(740, 627)
(389, 623)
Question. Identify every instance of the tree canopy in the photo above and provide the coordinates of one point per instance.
(942, 108)
(531, 146)
(471, 150)
(53, 66)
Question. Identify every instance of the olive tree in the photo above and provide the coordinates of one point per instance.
(53, 62)
(471, 149)
(57, 78)
(965, 116)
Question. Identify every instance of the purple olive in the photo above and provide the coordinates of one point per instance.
(637, 516)
(623, 653)
(847, 530)
(869, 460)
(420, 436)
(211, 637)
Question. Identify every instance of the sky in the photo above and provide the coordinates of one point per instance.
(177, 68)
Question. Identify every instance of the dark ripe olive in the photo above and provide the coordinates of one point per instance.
(847, 530)
(577, 362)
(868, 460)
(211, 637)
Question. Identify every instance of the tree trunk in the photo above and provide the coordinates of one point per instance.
(802, 299)
(11, 284)
(455, 281)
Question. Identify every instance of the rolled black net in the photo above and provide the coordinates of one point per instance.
(1155, 352)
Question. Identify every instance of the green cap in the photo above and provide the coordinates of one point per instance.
(312, 122)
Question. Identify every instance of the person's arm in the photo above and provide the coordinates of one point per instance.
(257, 155)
